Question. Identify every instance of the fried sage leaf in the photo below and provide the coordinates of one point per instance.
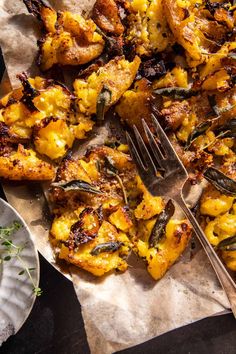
(220, 181)
(228, 130)
(109, 166)
(111, 170)
(161, 222)
(215, 109)
(103, 101)
(77, 185)
(199, 130)
(228, 244)
(232, 55)
(175, 92)
(106, 247)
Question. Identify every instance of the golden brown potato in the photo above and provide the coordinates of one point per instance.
(23, 164)
(160, 259)
(53, 138)
(70, 39)
(194, 29)
(42, 111)
(135, 105)
(124, 212)
(106, 15)
(147, 27)
(116, 77)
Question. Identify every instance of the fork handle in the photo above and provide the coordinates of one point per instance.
(225, 279)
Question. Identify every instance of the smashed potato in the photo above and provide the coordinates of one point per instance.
(116, 76)
(23, 164)
(109, 191)
(70, 39)
(174, 59)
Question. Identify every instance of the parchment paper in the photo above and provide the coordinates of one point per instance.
(119, 311)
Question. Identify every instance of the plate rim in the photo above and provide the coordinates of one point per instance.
(37, 277)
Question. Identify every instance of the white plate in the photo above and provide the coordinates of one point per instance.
(16, 291)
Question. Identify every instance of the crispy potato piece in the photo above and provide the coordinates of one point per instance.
(193, 29)
(26, 112)
(106, 15)
(53, 138)
(84, 255)
(23, 164)
(177, 77)
(117, 76)
(71, 40)
(170, 248)
(222, 225)
(147, 27)
(135, 105)
(118, 221)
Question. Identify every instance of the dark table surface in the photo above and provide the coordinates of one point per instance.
(55, 325)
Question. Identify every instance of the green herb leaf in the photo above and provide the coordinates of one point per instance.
(37, 291)
(103, 101)
(220, 181)
(228, 244)
(77, 185)
(106, 247)
(228, 130)
(160, 224)
(7, 258)
(216, 110)
(109, 166)
(111, 170)
(176, 92)
(199, 130)
(7, 243)
(32, 269)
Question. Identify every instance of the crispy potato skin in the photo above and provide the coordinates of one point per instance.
(23, 164)
(106, 15)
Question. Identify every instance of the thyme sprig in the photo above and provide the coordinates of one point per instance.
(12, 250)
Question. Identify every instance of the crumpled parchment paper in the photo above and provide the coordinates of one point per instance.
(119, 310)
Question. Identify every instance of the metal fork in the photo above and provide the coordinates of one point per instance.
(171, 185)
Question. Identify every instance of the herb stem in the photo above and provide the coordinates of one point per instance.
(122, 187)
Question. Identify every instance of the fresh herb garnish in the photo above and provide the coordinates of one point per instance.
(163, 218)
(106, 247)
(176, 92)
(10, 250)
(228, 130)
(77, 185)
(103, 101)
(198, 131)
(111, 170)
(228, 244)
(220, 181)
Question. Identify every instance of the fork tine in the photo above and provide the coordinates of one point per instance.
(135, 155)
(154, 146)
(148, 162)
(167, 147)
